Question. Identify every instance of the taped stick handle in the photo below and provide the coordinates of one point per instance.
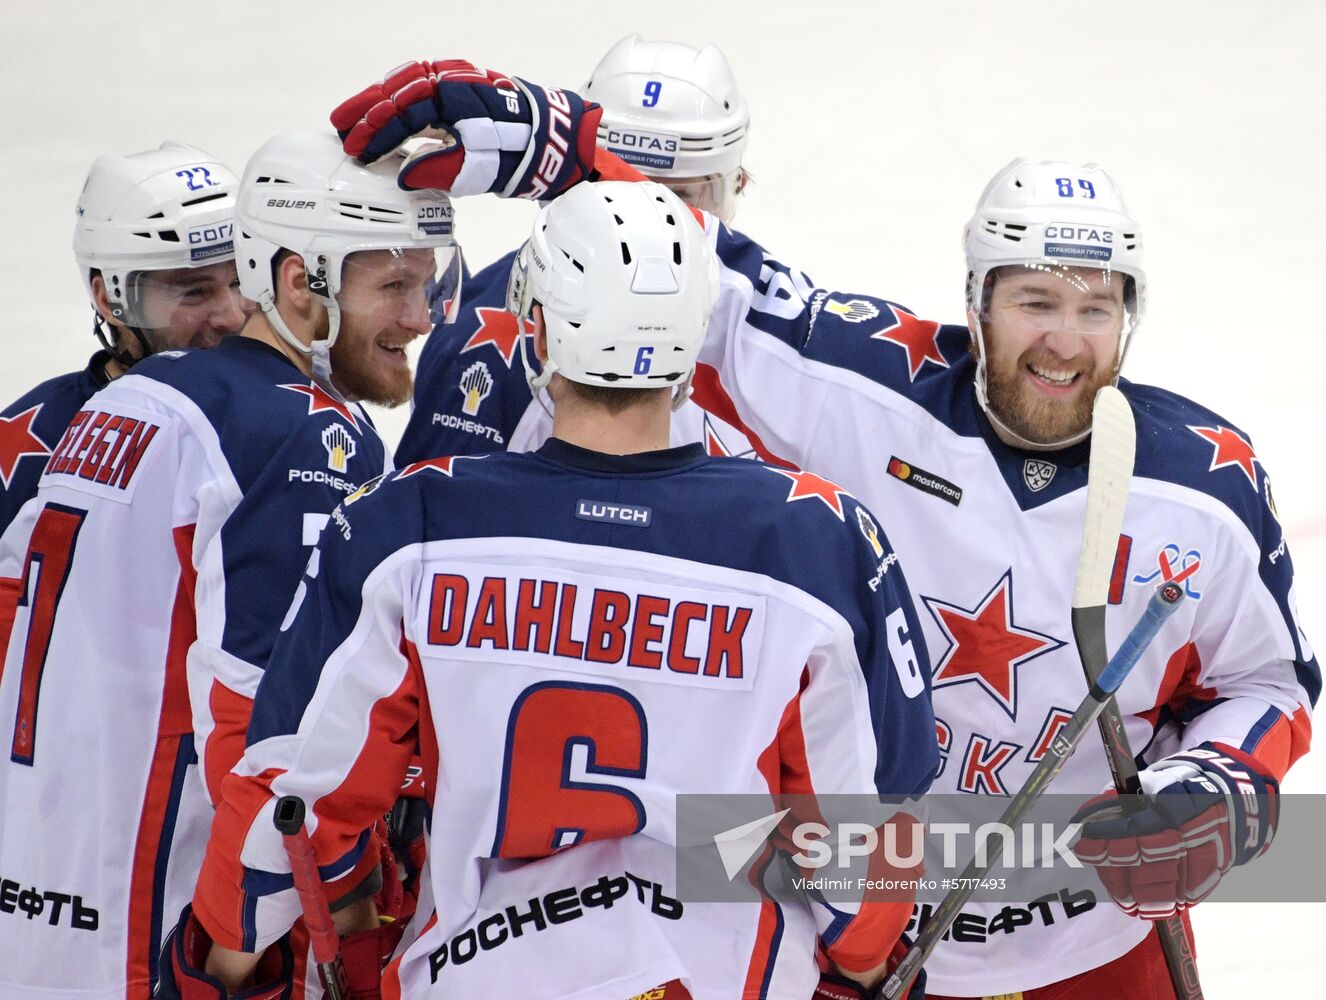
(1162, 604)
(289, 821)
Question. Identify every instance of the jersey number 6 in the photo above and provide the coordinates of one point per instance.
(558, 728)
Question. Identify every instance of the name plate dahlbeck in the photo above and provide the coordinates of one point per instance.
(594, 624)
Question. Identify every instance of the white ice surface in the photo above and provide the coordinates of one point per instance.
(875, 126)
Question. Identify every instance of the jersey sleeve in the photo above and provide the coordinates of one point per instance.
(880, 680)
(334, 722)
(247, 570)
(795, 366)
(1248, 678)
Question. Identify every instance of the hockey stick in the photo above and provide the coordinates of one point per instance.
(289, 820)
(1113, 446)
(1160, 607)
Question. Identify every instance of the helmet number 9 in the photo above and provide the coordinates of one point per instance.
(643, 359)
(652, 89)
(1066, 187)
(193, 175)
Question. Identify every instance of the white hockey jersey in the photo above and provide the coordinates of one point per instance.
(170, 529)
(865, 393)
(567, 669)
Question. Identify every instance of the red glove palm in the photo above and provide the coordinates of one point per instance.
(506, 136)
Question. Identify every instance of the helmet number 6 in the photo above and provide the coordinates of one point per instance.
(643, 359)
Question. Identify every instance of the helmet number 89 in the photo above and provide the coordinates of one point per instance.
(1066, 187)
(652, 90)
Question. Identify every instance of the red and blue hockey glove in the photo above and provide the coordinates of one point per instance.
(184, 955)
(508, 137)
(1205, 811)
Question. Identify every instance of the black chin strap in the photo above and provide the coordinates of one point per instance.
(110, 342)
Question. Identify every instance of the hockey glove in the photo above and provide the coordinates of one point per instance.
(1205, 810)
(503, 135)
(184, 954)
(836, 987)
(365, 955)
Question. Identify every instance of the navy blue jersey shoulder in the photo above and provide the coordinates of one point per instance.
(682, 503)
(31, 427)
(1182, 442)
(679, 503)
(470, 390)
(256, 400)
(295, 452)
(927, 362)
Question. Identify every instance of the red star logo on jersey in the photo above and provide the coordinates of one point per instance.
(320, 399)
(497, 327)
(1230, 449)
(919, 337)
(17, 440)
(985, 645)
(807, 485)
(442, 465)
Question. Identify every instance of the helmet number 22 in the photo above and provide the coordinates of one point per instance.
(652, 90)
(197, 178)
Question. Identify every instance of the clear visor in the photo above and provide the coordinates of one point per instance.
(714, 193)
(1045, 297)
(186, 306)
(412, 287)
(519, 299)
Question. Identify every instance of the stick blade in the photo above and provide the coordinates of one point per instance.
(1113, 446)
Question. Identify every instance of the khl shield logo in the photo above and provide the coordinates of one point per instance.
(1037, 473)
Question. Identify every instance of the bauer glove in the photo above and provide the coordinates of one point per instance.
(501, 134)
(1204, 811)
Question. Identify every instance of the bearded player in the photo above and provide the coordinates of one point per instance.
(974, 440)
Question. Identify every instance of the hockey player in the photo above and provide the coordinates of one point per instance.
(974, 438)
(163, 548)
(671, 111)
(154, 246)
(517, 611)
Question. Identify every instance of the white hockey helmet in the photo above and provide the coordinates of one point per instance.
(626, 280)
(301, 193)
(1050, 215)
(166, 208)
(674, 112)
